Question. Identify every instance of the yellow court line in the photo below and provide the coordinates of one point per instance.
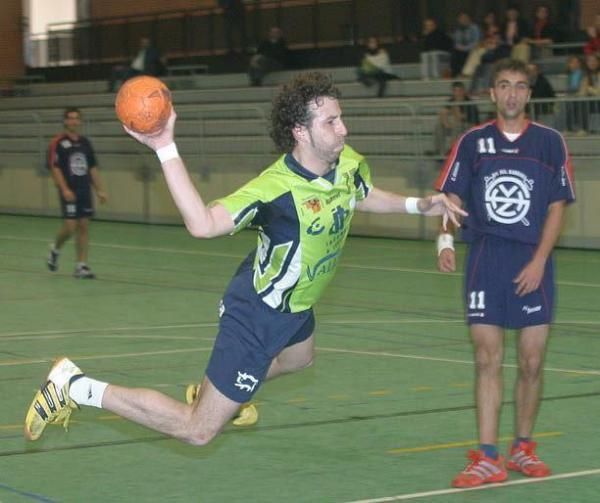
(464, 443)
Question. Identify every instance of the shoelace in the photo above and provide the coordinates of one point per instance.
(475, 457)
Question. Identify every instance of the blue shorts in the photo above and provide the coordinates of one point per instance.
(490, 298)
(251, 334)
(82, 207)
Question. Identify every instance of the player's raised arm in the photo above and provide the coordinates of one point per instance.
(200, 220)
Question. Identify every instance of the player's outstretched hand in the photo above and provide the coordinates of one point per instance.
(157, 140)
(440, 204)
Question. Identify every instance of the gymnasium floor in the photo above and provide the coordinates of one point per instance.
(385, 414)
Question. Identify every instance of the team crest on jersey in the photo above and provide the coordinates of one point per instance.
(508, 196)
(313, 205)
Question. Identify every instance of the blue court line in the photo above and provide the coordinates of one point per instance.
(34, 497)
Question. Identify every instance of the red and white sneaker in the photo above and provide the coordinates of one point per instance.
(481, 470)
(523, 459)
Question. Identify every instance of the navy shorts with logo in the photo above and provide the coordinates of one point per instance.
(82, 207)
(490, 298)
(251, 334)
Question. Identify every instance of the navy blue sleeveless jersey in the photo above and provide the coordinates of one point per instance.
(507, 186)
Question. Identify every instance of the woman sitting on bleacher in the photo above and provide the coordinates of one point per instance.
(375, 67)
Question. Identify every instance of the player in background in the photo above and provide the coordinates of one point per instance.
(302, 206)
(514, 177)
(72, 164)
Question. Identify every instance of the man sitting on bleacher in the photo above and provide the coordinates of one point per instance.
(148, 61)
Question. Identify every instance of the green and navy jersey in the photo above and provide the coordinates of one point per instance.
(302, 220)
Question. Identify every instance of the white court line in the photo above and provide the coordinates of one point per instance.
(14, 363)
(444, 492)
(232, 255)
(213, 324)
(110, 329)
(447, 360)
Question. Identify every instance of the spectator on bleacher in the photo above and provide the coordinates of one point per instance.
(592, 46)
(436, 49)
(494, 50)
(375, 67)
(489, 29)
(466, 37)
(73, 167)
(590, 87)
(540, 89)
(571, 113)
(543, 34)
(271, 56)
(147, 61)
(234, 17)
(454, 118)
(515, 32)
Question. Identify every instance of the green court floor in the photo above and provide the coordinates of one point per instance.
(385, 414)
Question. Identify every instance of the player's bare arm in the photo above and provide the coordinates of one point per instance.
(201, 221)
(97, 184)
(381, 201)
(530, 277)
(59, 180)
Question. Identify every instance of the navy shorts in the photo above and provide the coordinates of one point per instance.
(82, 207)
(251, 334)
(490, 298)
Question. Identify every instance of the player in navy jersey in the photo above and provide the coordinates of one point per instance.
(72, 164)
(514, 177)
(301, 206)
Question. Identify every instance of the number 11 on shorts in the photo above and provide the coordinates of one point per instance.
(477, 299)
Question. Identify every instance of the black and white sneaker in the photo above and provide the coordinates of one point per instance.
(84, 272)
(52, 259)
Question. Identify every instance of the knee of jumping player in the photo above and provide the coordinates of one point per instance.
(200, 435)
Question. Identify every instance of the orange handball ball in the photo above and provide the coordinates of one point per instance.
(143, 104)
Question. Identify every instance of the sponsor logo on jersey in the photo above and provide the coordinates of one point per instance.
(66, 143)
(508, 196)
(246, 382)
(509, 150)
(339, 219)
(324, 265)
(476, 315)
(78, 164)
(455, 169)
(316, 227)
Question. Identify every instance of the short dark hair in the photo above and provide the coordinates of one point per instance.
(71, 110)
(511, 65)
(457, 83)
(291, 106)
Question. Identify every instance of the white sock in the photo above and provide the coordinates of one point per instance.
(87, 391)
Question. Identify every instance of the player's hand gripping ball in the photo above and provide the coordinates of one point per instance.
(143, 104)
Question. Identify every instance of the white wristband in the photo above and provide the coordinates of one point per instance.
(444, 241)
(167, 153)
(411, 205)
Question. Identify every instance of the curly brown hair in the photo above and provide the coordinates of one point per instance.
(291, 106)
